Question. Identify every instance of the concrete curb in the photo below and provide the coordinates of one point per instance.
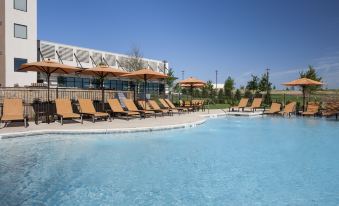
(102, 131)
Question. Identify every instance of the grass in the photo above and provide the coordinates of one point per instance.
(217, 106)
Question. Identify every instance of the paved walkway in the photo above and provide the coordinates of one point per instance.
(75, 125)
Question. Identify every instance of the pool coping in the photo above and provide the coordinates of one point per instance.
(102, 131)
(118, 130)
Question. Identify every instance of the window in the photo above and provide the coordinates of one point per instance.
(20, 5)
(20, 31)
(18, 62)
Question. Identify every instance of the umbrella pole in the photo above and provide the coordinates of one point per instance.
(48, 85)
(145, 89)
(102, 95)
(304, 95)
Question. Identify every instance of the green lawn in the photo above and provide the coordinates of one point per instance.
(217, 106)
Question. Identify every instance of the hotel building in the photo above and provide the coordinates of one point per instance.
(19, 44)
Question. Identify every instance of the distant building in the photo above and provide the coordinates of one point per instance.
(19, 44)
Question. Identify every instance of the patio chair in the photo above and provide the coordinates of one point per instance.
(64, 110)
(331, 109)
(133, 108)
(256, 104)
(275, 108)
(155, 106)
(312, 109)
(171, 105)
(145, 106)
(289, 109)
(87, 108)
(242, 104)
(13, 110)
(116, 109)
(166, 106)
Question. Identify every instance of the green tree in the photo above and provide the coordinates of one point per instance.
(221, 96)
(170, 80)
(265, 85)
(311, 73)
(237, 95)
(228, 88)
(204, 92)
(253, 83)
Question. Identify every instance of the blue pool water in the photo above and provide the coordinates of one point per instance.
(229, 161)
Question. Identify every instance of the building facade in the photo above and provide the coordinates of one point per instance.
(19, 44)
(18, 40)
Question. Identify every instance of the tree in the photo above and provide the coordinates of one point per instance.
(221, 96)
(311, 74)
(204, 92)
(253, 83)
(134, 62)
(170, 80)
(248, 94)
(237, 95)
(228, 87)
(265, 86)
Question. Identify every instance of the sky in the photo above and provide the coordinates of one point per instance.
(238, 38)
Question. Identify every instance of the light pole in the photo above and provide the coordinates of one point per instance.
(267, 85)
(216, 79)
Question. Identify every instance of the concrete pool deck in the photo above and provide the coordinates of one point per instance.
(118, 125)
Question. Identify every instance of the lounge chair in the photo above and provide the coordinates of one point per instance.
(87, 108)
(64, 110)
(171, 105)
(133, 108)
(13, 110)
(312, 109)
(242, 104)
(256, 104)
(155, 106)
(331, 109)
(166, 106)
(289, 109)
(275, 108)
(145, 106)
(117, 109)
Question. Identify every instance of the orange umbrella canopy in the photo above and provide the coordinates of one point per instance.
(146, 74)
(194, 85)
(303, 82)
(48, 67)
(104, 71)
(191, 81)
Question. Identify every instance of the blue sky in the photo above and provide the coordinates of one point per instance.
(237, 38)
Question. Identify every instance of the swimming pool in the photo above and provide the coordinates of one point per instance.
(227, 161)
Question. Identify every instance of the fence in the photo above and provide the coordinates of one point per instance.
(35, 99)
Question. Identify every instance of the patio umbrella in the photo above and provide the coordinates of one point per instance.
(102, 72)
(146, 74)
(303, 83)
(48, 67)
(192, 83)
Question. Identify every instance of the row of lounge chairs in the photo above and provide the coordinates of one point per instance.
(13, 110)
(312, 109)
(256, 104)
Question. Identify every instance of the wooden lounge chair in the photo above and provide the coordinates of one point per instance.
(171, 105)
(256, 104)
(331, 109)
(166, 106)
(289, 109)
(13, 110)
(145, 106)
(87, 108)
(64, 110)
(242, 104)
(133, 108)
(275, 108)
(155, 106)
(312, 109)
(117, 109)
